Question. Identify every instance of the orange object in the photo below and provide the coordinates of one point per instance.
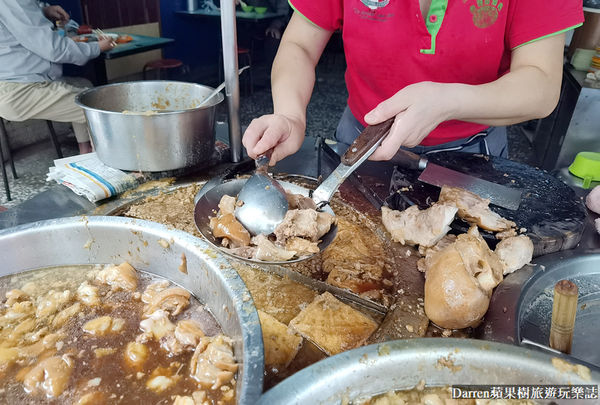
(123, 39)
(80, 39)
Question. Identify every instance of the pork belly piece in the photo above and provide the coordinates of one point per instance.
(103, 325)
(121, 277)
(269, 251)
(281, 343)
(514, 252)
(306, 223)
(188, 332)
(302, 247)
(299, 202)
(419, 227)
(227, 205)
(88, 294)
(332, 325)
(50, 376)
(212, 364)
(157, 325)
(474, 209)
(459, 280)
(226, 226)
(244, 251)
(173, 300)
(428, 252)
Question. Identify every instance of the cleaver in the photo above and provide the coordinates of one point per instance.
(439, 176)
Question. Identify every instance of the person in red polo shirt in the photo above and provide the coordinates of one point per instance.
(452, 72)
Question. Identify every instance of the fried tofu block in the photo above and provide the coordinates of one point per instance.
(281, 343)
(333, 325)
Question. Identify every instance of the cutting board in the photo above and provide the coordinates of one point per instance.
(551, 213)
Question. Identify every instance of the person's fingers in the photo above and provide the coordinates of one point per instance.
(272, 137)
(253, 134)
(391, 143)
(386, 109)
(62, 13)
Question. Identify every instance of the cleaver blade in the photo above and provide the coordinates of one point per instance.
(498, 194)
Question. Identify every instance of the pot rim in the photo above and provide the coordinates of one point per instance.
(78, 98)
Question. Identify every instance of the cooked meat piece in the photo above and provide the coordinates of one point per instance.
(162, 378)
(226, 226)
(418, 227)
(597, 224)
(592, 201)
(280, 342)
(474, 209)
(324, 222)
(227, 205)
(212, 364)
(103, 325)
(302, 247)
(88, 294)
(50, 376)
(506, 234)
(299, 202)
(157, 324)
(172, 300)
(121, 277)
(170, 343)
(268, 251)
(459, 280)
(51, 303)
(14, 296)
(306, 223)
(302, 223)
(136, 355)
(244, 251)
(63, 316)
(428, 252)
(188, 332)
(153, 289)
(197, 398)
(514, 252)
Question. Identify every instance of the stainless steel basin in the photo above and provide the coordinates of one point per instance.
(99, 240)
(178, 135)
(402, 364)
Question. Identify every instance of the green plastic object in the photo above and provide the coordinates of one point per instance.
(587, 167)
(260, 10)
(246, 8)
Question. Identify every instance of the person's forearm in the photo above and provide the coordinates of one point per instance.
(530, 90)
(521, 95)
(292, 81)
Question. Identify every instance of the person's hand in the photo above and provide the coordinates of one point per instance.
(56, 13)
(273, 32)
(282, 133)
(418, 108)
(106, 43)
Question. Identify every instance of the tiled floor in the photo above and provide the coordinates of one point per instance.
(325, 108)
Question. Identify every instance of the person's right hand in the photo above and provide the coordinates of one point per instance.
(282, 133)
(106, 43)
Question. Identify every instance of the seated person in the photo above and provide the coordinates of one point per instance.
(31, 58)
(276, 27)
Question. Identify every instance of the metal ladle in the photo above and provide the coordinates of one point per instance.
(218, 89)
(264, 200)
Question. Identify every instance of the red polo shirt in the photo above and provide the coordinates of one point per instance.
(388, 45)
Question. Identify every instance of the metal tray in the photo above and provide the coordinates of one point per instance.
(100, 240)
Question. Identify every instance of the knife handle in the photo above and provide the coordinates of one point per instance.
(409, 160)
(371, 135)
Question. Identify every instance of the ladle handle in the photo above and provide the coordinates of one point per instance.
(370, 136)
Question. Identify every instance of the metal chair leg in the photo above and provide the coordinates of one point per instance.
(8, 150)
(54, 139)
(2, 166)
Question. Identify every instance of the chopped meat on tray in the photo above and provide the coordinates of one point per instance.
(514, 252)
(309, 224)
(419, 227)
(474, 209)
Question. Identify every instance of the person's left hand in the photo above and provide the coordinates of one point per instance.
(418, 108)
(56, 13)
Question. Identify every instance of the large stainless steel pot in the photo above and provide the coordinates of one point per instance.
(179, 136)
(402, 364)
(82, 240)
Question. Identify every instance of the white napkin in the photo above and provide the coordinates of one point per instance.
(86, 175)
